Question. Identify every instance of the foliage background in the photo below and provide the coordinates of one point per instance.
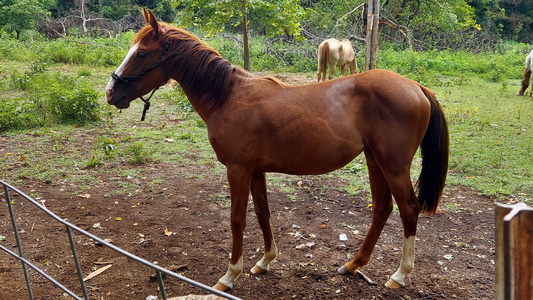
(422, 24)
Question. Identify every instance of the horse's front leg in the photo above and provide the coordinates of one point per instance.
(239, 181)
(262, 211)
(353, 67)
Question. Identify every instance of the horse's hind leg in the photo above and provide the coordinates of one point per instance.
(262, 211)
(381, 209)
(402, 189)
(525, 81)
(344, 68)
(384, 181)
(332, 67)
(409, 208)
(321, 74)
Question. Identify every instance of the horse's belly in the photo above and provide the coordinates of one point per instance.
(312, 160)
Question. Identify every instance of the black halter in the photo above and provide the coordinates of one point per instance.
(138, 76)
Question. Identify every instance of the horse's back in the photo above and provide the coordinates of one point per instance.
(388, 86)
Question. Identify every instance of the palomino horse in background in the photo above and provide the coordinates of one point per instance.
(527, 75)
(258, 125)
(335, 54)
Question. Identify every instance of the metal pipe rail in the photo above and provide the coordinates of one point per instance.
(70, 227)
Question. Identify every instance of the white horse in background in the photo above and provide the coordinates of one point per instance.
(335, 54)
(527, 75)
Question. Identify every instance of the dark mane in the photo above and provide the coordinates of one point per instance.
(203, 73)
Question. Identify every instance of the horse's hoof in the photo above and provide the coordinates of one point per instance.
(221, 287)
(343, 271)
(393, 284)
(258, 270)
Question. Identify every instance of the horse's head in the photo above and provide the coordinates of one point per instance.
(142, 70)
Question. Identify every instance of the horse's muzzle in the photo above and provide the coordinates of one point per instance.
(117, 99)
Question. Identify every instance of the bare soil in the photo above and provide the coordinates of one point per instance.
(183, 224)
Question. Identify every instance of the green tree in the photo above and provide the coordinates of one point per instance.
(163, 9)
(427, 20)
(273, 17)
(117, 9)
(518, 22)
(334, 18)
(19, 15)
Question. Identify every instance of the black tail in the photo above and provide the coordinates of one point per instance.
(435, 152)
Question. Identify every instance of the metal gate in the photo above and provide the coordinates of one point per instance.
(19, 255)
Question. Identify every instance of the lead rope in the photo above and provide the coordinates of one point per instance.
(147, 103)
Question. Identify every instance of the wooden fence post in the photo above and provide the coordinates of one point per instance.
(371, 34)
(514, 252)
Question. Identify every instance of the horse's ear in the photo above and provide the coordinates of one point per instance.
(153, 22)
(149, 18)
(145, 16)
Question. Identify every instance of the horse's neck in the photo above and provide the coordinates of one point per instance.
(205, 78)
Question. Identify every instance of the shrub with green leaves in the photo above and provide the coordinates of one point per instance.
(48, 98)
(73, 106)
(17, 114)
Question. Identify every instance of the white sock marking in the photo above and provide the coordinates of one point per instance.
(408, 261)
(234, 271)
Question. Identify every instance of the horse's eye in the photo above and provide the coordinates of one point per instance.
(142, 54)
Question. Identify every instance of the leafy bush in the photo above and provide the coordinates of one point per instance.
(17, 114)
(73, 106)
(97, 52)
(48, 98)
(431, 67)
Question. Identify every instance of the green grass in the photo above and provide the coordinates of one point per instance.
(491, 138)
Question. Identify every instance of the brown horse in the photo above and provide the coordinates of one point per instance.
(527, 75)
(258, 125)
(335, 54)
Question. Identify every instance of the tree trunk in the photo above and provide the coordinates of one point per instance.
(372, 34)
(245, 36)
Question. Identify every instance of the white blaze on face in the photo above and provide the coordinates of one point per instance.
(120, 68)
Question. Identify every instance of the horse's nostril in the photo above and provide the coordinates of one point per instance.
(109, 93)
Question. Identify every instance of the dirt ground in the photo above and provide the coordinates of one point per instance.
(182, 225)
